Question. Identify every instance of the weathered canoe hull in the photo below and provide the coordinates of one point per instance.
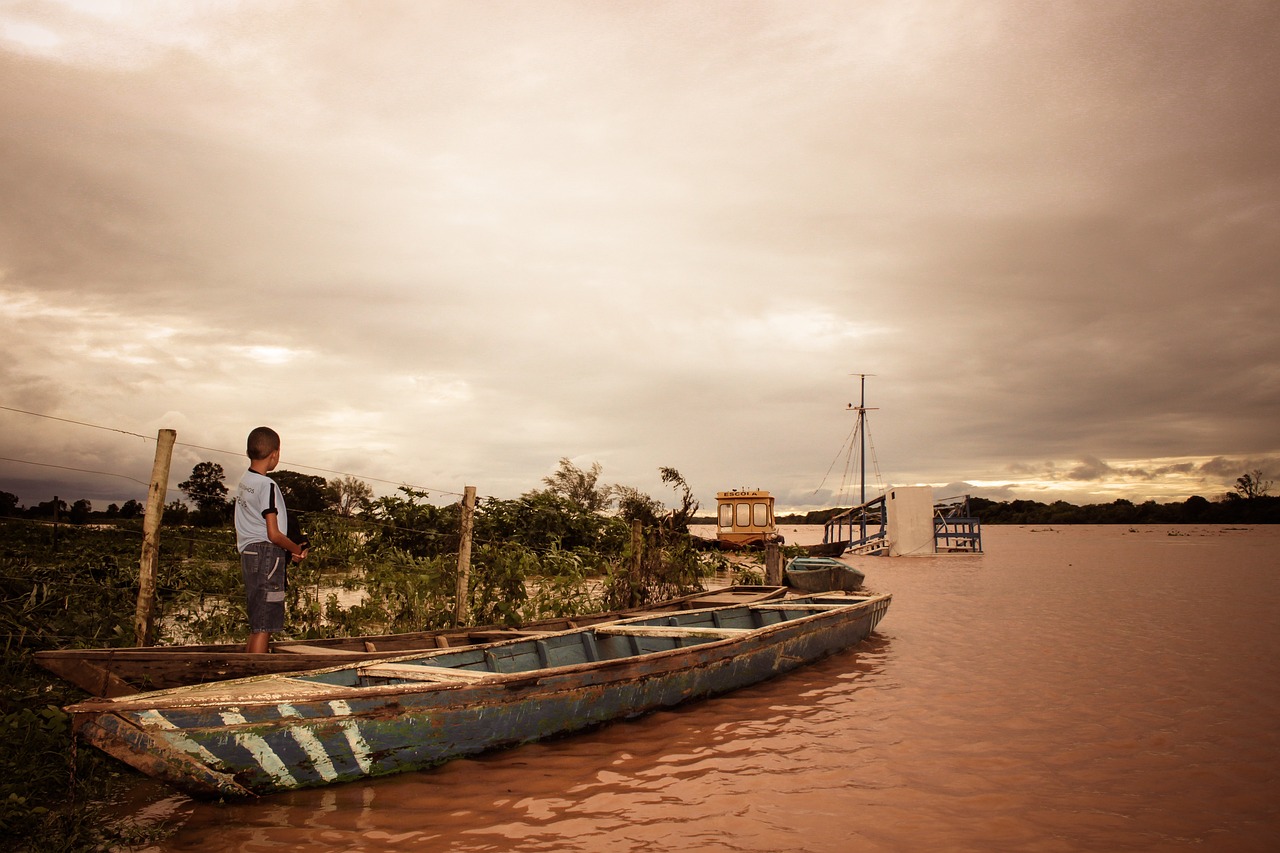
(822, 574)
(275, 741)
(120, 672)
(826, 549)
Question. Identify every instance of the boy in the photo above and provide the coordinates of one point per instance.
(265, 548)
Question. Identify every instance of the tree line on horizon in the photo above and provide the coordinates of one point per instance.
(348, 497)
(1249, 502)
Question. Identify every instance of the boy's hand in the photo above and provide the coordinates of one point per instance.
(301, 555)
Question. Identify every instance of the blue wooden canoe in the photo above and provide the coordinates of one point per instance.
(821, 574)
(121, 671)
(259, 735)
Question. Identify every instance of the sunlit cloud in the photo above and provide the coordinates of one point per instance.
(267, 354)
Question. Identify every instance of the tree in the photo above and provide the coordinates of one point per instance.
(176, 512)
(413, 525)
(8, 503)
(1251, 485)
(80, 511)
(55, 508)
(349, 495)
(207, 491)
(302, 492)
(635, 505)
(688, 504)
(131, 509)
(580, 487)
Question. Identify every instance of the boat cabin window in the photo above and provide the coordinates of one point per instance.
(744, 514)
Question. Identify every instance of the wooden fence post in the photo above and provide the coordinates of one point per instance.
(772, 564)
(464, 553)
(144, 618)
(637, 552)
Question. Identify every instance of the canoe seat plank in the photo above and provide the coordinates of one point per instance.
(668, 631)
(803, 605)
(304, 649)
(494, 636)
(410, 672)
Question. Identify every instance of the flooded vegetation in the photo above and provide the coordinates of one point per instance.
(392, 569)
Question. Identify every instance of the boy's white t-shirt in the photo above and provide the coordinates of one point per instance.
(257, 496)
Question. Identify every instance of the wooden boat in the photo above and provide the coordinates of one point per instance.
(826, 549)
(119, 672)
(272, 733)
(820, 574)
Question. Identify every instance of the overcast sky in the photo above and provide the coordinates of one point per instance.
(449, 243)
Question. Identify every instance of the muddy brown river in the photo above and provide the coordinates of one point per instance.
(1073, 689)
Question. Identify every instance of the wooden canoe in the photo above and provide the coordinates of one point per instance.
(260, 735)
(826, 549)
(821, 574)
(119, 672)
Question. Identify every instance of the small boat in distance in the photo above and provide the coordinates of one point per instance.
(821, 574)
(241, 738)
(744, 519)
(119, 672)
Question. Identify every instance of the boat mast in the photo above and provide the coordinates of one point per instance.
(861, 429)
(862, 437)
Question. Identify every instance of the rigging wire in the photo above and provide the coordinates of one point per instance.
(875, 462)
(847, 441)
(853, 456)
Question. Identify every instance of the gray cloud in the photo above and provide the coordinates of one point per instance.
(660, 235)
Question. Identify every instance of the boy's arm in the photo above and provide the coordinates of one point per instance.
(278, 537)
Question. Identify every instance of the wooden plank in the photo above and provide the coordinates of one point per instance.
(304, 649)
(668, 631)
(88, 674)
(268, 689)
(721, 601)
(410, 672)
(495, 636)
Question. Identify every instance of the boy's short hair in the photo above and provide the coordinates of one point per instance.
(263, 441)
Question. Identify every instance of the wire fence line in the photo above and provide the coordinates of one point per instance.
(378, 523)
(602, 546)
(188, 534)
(184, 533)
(232, 453)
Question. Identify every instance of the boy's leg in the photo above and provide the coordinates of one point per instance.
(265, 581)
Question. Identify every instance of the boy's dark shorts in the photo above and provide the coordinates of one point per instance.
(266, 578)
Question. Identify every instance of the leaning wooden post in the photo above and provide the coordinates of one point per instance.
(464, 553)
(144, 619)
(637, 552)
(772, 564)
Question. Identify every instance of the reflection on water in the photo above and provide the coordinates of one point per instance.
(1084, 688)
